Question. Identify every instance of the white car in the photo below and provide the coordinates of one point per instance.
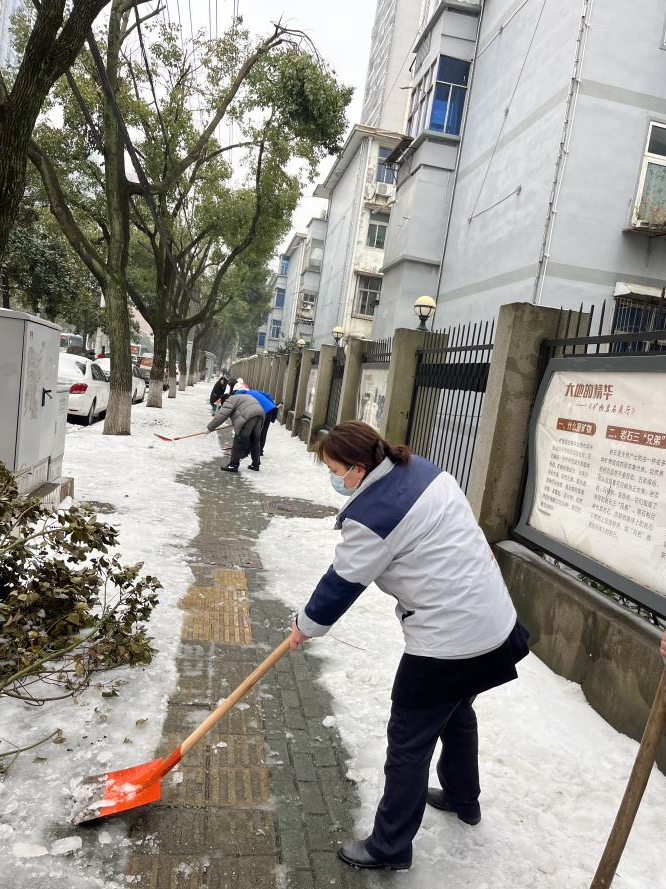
(88, 387)
(138, 383)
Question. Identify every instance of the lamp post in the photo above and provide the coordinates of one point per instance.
(301, 344)
(338, 333)
(424, 306)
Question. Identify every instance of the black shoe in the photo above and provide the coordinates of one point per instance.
(261, 453)
(355, 854)
(253, 466)
(437, 800)
(229, 468)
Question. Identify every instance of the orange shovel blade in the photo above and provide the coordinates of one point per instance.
(162, 437)
(118, 791)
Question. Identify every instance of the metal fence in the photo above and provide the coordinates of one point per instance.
(449, 386)
(638, 326)
(378, 352)
(336, 389)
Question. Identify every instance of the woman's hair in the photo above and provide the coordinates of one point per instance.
(355, 443)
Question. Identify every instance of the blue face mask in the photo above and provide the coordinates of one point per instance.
(338, 482)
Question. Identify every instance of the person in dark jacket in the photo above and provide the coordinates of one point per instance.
(219, 390)
(247, 417)
(408, 528)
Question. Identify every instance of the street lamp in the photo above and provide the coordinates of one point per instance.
(338, 333)
(301, 344)
(424, 306)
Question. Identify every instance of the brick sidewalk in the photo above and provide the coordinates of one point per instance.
(263, 801)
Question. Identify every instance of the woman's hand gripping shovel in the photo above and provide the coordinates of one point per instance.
(114, 792)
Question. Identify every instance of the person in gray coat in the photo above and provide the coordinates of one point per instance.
(247, 418)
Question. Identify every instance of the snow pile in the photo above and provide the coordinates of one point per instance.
(134, 477)
(552, 771)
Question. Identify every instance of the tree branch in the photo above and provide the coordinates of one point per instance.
(59, 208)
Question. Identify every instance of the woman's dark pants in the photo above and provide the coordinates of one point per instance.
(247, 441)
(412, 736)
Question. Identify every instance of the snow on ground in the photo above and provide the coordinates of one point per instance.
(288, 470)
(135, 476)
(552, 770)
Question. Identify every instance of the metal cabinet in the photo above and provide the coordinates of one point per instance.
(29, 349)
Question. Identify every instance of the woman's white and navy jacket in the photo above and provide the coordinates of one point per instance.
(410, 529)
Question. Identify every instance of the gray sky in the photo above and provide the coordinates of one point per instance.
(340, 30)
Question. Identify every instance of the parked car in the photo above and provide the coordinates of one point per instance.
(145, 366)
(88, 387)
(139, 385)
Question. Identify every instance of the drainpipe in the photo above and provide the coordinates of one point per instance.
(563, 153)
(457, 164)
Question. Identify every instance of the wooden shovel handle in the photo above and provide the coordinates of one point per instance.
(235, 696)
(191, 435)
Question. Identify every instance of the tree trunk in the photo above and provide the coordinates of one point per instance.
(4, 286)
(157, 370)
(172, 366)
(119, 412)
(182, 359)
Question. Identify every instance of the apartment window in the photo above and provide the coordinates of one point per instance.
(307, 300)
(420, 103)
(650, 207)
(284, 265)
(377, 230)
(279, 297)
(275, 329)
(385, 172)
(449, 97)
(261, 340)
(315, 254)
(368, 290)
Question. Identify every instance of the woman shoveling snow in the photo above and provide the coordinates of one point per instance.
(409, 528)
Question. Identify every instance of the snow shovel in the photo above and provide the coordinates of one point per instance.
(114, 792)
(178, 437)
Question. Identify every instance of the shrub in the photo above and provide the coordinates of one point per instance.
(68, 607)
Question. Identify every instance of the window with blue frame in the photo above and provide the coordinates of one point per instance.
(449, 95)
(261, 340)
(284, 265)
(279, 297)
(385, 172)
(275, 329)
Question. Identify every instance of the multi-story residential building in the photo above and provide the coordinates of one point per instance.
(388, 65)
(442, 57)
(270, 331)
(306, 252)
(539, 175)
(358, 188)
(7, 10)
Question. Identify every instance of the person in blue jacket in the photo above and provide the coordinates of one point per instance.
(271, 410)
(408, 527)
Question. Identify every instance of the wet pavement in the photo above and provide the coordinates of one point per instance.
(263, 800)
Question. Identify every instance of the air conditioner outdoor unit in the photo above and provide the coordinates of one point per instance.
(385, 189)
(369, 191)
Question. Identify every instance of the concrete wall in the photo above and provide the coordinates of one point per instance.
(585, 637)
(495, 258)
